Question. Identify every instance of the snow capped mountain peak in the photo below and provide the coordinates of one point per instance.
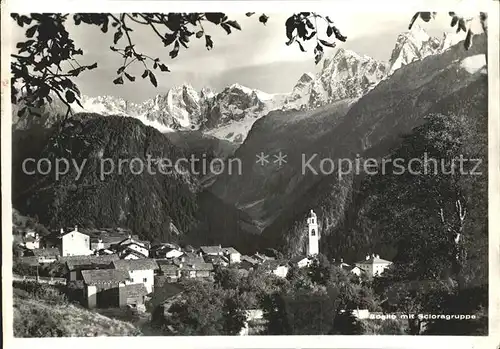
(230, 113)
(413, 45)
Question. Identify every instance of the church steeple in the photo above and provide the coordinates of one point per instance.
(313, 232)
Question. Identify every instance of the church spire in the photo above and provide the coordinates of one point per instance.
(313, 234)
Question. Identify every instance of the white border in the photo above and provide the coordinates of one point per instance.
(492, 7)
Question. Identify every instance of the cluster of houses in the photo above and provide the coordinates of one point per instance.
(119, 270)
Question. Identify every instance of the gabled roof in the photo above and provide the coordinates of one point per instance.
(135, 264)
(72, 232)
(104, 276)
(374, 260)
(297, 259)
(169, 269)
(127, 252)
(245, 258)
(91, 262)
(215, 259)
(189, 257)
(86, 259)
(131, 240)
(211, 249)
(230, 250)
(135, 290)
(197, 266)
(46, 252)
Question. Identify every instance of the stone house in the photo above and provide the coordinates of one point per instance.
(45, 255)
(139, 271)
(232, 254)
(104, 288)
(75, 243)
(75, 265)
(373, 265)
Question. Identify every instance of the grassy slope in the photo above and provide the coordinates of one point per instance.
(39, 318)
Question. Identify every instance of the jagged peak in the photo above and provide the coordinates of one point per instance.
(306, 77)
(240, 87)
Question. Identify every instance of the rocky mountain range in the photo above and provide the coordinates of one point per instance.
(229, 114)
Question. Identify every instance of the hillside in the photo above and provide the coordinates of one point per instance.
(41, 318)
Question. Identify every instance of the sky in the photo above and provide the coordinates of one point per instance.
(256, 56)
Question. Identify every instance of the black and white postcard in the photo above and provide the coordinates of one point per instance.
(217, 179)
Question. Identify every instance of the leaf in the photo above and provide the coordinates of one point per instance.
(199, 34)
(326, 43)
(152, 78)
(163, 67)
(454, 21)
(145, 74)
(130, 77)
(175, 50)
(461, 25)
(226, 27)
(329, 31)
(289, 42)
(31, 31)
(118, 35)
(318, 57)
(234, 24)
(248, 14)
(169, 38)
(92, 66)
(70, 96)
(468, 40)
(413, 19)
(120, 70)
(214, 17)
(290, 26)
(426, 16)
(118, 81)
(301, 47)
(208, 42)
(329, 20)
(263, 18)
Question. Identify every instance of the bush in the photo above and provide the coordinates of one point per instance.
(47, 293)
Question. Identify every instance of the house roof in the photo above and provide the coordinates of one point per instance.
(72, 232)
(211, 249)
(230, 250)
(249, 259)
(92, 261)
(131, 240)
(46, 252)
(104, 276)
(215, 259)
(197, 266)
(108, 239)
(135, 290)
(374, 260)
(169, 268)
(87, 259)
(136, 264)
(127, 252)
(189, 257)
(271, 264)
(297, 259)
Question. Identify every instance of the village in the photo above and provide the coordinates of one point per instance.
(116, 270)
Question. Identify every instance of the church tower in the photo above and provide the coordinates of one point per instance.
(313, 242)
